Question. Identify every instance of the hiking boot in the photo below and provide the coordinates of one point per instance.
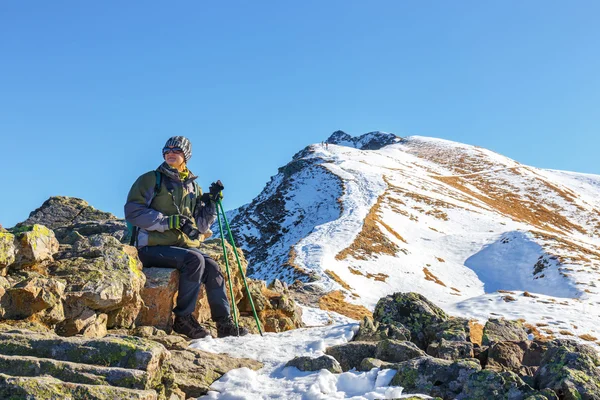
(226, 327)
(188, 325)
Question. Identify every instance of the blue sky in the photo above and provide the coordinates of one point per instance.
(90, 91)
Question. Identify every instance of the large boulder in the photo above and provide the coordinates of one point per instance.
(522, 358)
(104, 276)
(350, 355)
(414, 312)
(434, 376)
(44, 365)
(498, 330)
(35, 246)
(159, 295)
(504, 385)
(571, 370)
(40, 296)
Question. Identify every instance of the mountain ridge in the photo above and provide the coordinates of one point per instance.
(426, 215)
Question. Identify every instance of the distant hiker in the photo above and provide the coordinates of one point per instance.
(173, 217)
(326, 145)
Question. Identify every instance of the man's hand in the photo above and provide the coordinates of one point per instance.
(177, 221)
(215, 190)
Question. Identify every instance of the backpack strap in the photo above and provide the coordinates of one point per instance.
(157, 185)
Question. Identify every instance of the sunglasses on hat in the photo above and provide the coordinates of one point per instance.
(175, 150)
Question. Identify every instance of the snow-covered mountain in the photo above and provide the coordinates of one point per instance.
(377, 214)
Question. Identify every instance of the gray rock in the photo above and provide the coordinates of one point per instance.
(315, 364)
(121, 352)
(434, 376)
(397, 351)
(450, 350)
(74, 372)
(371, 331)
(63, 211)
(414, 312)
(47, 387)
(35, 247)
(500, 330)
(7, 251)
(571, 370)
(493, 385)
(195, 370)
(40, 296)
(350, 355)
(369, 363)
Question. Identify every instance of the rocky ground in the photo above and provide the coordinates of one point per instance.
(453, 358)
(80, 316)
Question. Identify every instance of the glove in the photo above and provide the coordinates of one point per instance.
(174, 221)
(177, 221)
(188, 228)
(184, 224)
(215, 190)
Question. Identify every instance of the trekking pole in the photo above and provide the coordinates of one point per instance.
(220, 205)
(235, 319)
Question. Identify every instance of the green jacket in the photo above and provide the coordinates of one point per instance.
(175, 197)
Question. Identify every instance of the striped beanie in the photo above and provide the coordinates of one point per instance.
(183, 143)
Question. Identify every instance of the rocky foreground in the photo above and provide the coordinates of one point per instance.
(80, 317)
(454, 358)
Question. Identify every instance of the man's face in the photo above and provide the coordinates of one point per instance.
(173, 156)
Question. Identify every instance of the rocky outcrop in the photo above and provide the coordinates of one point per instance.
(151, 365)
(413, 312)
(276, 309)
(433, 354)
(71, 295)
(59, 212)
(571, 370)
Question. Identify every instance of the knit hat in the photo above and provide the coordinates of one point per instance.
(183, 143)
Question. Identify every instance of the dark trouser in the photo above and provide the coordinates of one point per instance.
(195, 268)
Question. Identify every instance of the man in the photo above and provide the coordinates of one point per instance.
(173, 218)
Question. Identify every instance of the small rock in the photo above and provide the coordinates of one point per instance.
(315, 364)
(369, 363)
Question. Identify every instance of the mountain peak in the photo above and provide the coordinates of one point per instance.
(369, 141)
